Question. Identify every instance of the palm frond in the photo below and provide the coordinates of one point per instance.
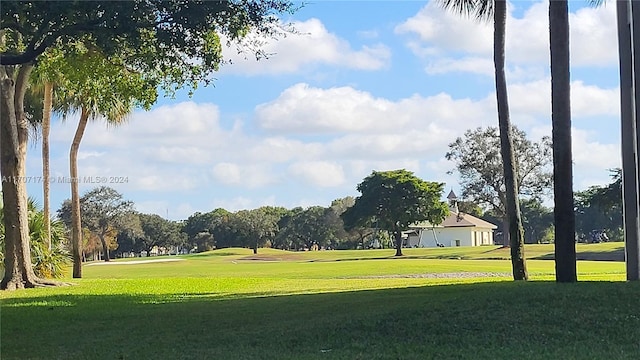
(481, 10)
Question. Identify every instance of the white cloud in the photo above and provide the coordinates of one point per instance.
(318, 173)
(589, 153)
(307, 110)
(476, 65)
(437, 34)
(312, 44)
(251, 176)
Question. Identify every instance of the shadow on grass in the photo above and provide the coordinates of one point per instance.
(500, 320)
(614, 255)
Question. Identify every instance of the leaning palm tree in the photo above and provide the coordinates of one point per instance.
(483, 10)
(116, 114)
(95, 87)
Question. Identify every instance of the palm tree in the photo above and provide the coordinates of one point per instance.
(564, 216)
(42, 85)
(116, 113)
(482, 10)
(96, 87)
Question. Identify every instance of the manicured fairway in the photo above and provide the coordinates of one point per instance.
(229, 304)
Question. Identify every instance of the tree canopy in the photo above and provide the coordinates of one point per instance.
(393, 200)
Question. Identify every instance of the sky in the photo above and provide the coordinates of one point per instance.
(361, 86)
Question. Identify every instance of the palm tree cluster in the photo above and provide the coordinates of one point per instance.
(80, 80)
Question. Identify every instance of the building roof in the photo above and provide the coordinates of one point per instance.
(452, 195)
(458, 220)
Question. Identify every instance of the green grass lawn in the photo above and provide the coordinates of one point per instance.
(230, 304)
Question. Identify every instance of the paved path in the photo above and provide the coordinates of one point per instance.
(133, 262)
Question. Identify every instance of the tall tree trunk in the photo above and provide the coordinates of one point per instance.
(398, 238)
(105, 248)
(13, 140)
(18, 273)
(76, 223)
(629, 86)
(515, 230)
(563, 214)
(46, 126)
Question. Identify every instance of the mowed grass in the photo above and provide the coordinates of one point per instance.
(230, 304)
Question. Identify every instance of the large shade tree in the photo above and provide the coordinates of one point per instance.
(105, 210)
(484, 9)
(173, 42)
(393, 200)
(478, 162)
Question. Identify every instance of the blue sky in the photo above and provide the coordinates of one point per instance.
(365, 85)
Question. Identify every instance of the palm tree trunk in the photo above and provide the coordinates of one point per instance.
(564, 216)
(515, 230)
(628, 89)
(46, 126)
(76, 223)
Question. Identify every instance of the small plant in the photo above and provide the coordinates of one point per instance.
(47, 263)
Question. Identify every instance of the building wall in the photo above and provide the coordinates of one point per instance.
(458, 236)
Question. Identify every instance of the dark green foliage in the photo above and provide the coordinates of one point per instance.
(104, 213)
(537, 220)
(393, 200)
(258, 227)
(308, 228)
(600, 207)
(174, 42)
(158, 231)
(206, 231)
(47, 263)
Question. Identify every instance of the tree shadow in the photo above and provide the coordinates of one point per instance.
(484, 320)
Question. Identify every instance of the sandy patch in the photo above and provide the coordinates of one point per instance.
(456, 275)
(134, 262)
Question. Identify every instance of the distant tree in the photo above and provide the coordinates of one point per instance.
(104, 213)
(469, 207)
(307, 228)
(394, 200)
(600, 207)
(255, 228)
(537, 219)
(206, 231)
(158, 231)
(479, 164)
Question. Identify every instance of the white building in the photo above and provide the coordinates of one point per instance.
(457, 229)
